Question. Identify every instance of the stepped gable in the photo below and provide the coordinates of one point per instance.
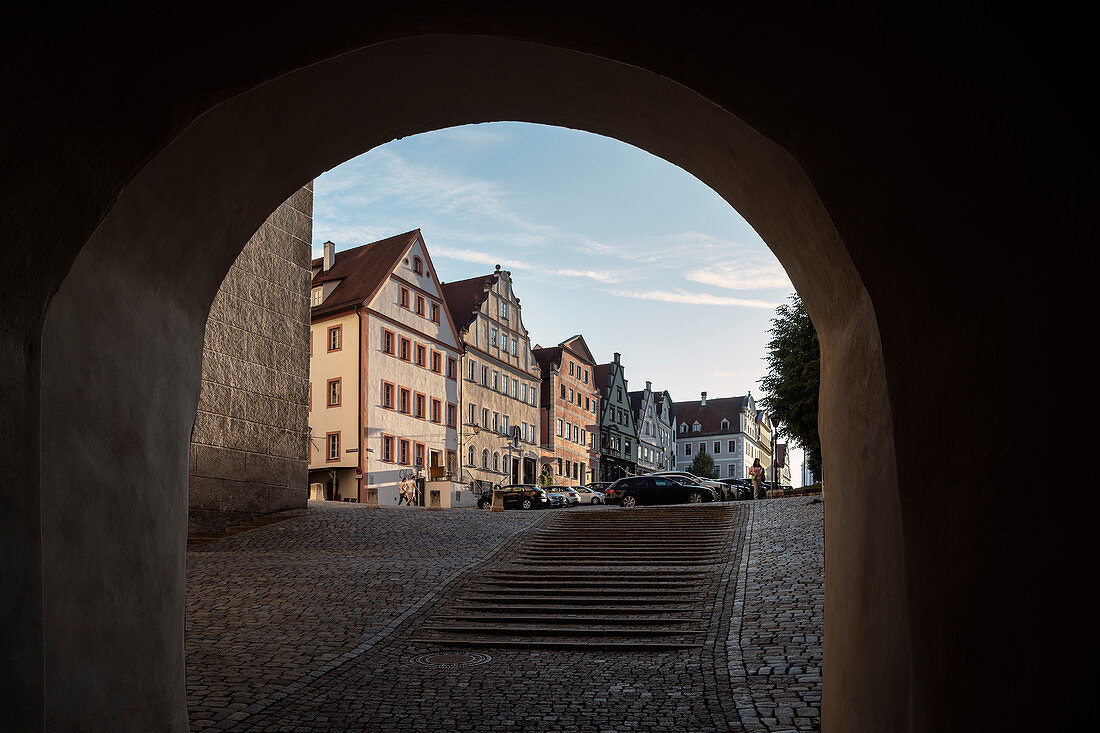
(361, 271)
(710, 415)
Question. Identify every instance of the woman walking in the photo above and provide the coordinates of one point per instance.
(756, 473)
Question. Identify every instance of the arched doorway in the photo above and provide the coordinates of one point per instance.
(121, 343)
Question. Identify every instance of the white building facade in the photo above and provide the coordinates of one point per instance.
(731, 429)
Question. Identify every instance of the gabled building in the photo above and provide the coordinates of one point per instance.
(618, 436)
(569, 411)
(654, 415)
(732, 429)
(384, 361)
(499, 388)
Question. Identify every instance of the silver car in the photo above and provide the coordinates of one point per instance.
(568, 495)
(589, 495)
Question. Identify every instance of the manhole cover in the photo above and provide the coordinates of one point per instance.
(444, 660)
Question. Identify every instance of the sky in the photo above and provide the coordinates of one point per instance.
(601, 238)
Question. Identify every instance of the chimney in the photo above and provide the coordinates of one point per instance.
(616, 357)
(329, 257)
(704, 401)
(648, 386)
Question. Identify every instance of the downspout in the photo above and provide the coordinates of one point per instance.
(359, 438)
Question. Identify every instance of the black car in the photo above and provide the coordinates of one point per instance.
(517, 496)
(740, 488)
(634, 490)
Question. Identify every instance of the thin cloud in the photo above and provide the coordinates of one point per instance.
(741, 276)
(485, 258)
(685, 297)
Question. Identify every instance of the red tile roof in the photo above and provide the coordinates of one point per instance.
(710, 415)
(464, 298)
(361, 271)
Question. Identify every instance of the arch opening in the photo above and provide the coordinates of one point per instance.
(137, 295)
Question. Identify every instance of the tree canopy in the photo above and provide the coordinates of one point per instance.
(794, 378)
(703, 465)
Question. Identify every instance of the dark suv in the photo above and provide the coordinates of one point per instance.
(517, 496)
(634, 490)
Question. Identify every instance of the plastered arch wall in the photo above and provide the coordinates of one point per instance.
(100, 389)
(138, 293)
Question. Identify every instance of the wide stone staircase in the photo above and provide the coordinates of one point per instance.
(594, 579)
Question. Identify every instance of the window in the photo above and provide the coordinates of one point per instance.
(403, 452)
(504, 383)
(696, 427)
(505, 423)
(470, 456)
(570, 396)
(587, 404)
(717, 447)
(562, 391)
(496, 378)
(725, 424)
(493, 337)
(437, 362)
(702, 447)
(334, 392)
(404, 397)
(419, 454)
(496, 462)
(732, 446)
(503, 309)
(496, 422)
(452, 368)
(437, 411)
(586, 376)
(485, 417)
(403, 298)
(420, 305)
(452, 415)
(387, 448)
(559, 427)
(315, 297)
(473, 414)
(421, 355)
(451, 460)
(418, 266)
(732, 470)
(333, 442)
(419, 405)
(683, 427)
(485, 459)
(334, 338)
(435, 313)
(515, 347)
(387, 395)
(571, 366)
(523, 391)
(687, 449)
(484, 376)
(404, 349)
(559, 466)
(387, 342)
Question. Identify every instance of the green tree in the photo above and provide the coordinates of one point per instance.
(793, 381)
(703, 465)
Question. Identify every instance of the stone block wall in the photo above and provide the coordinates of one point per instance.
(248, 446)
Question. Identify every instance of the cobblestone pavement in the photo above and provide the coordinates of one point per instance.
(310, 624)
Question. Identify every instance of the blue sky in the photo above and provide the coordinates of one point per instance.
(601, 238)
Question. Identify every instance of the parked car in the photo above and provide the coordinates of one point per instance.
(600, 486)
(691, 478)
(517, 496)
(634, 490)
(740, 488)
(588, 495)
(568, 496)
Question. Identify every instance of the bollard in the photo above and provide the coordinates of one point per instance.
(498, 501)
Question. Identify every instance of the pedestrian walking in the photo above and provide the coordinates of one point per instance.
(756, 473)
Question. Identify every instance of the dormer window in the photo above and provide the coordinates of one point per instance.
(725, 424)
(418, 266)
(683, 427)
(696, 427)
(316, 296)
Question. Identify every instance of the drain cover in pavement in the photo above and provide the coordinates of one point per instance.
(445, 660)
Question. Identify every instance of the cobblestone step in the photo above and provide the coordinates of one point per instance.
(617, 617)
(613, 611)
(573, 600)
(551, 629)
(562, 645)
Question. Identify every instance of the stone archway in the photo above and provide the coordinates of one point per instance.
(113, 385)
